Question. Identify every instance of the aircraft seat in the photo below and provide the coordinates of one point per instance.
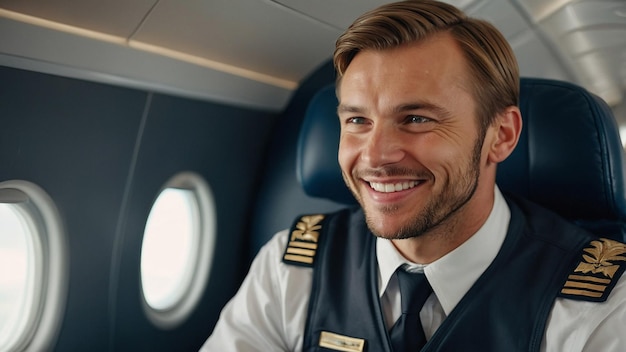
(569, 157)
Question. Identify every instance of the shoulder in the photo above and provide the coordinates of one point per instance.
(543, 223)
(308, 234)
(270, 275)
(269, 309)
(598, 269)
(303, 240)
(596, 264)
(585, 325)
(590, 311)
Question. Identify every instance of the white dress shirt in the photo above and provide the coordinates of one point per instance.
(269, 311)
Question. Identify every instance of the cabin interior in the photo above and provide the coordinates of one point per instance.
(103, 103)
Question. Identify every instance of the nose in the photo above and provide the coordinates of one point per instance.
(382, 146)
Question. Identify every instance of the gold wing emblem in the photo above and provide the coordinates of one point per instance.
(307, 228)
(600, 256)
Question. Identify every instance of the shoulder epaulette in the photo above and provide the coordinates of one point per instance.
(303, 240)
(601, 266)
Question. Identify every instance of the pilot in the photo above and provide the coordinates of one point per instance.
(436, 257)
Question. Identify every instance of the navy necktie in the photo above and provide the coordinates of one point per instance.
(407, 334)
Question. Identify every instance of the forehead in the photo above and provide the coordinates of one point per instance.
(430, 65)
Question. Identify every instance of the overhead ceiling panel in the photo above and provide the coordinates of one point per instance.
(278, 42)
(582, 42)
(501, 14)
(589, 34)
(341, 13)
(531, 50)
(576, 15)
(255, 35)
(114, 17)
(540, 9)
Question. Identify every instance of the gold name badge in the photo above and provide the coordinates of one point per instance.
(341, 343)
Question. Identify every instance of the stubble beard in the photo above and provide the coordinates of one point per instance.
(440, 209)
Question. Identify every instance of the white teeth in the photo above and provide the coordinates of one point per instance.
(392, 187)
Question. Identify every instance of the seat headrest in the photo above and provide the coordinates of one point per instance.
(569, 158)
(318, 144)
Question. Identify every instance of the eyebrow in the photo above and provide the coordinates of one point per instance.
(349, 108)
(439, 110)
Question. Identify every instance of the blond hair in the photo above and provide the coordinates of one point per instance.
(494, 74)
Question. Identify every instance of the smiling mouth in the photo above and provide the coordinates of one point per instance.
(392, 187)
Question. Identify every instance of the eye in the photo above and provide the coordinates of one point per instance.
(356, 120)
(417, 119)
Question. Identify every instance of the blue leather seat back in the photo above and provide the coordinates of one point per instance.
(569, 159)
(317, 165)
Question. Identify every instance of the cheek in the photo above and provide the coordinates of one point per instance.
(442, 154)
(346, 155)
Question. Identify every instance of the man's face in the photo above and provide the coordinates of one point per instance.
(410, 147)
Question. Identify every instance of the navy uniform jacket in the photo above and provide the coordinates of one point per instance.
(542, 257)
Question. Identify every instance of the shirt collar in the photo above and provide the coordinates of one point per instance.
(452, 275)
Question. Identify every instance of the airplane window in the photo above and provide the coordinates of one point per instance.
(176, 250)
(16, 286)
(32, 286)
(167, 252)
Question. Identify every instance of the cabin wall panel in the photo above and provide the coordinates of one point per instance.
(224, 145)
(77, 140)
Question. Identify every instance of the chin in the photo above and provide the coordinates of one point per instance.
(383, 230)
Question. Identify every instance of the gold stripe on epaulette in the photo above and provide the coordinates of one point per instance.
(595, 274)
(338, 342)
(302, 244)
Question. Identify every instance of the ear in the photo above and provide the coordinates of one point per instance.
(508, 127)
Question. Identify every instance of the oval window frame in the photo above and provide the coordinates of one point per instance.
(179, 311)
(51, 264)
